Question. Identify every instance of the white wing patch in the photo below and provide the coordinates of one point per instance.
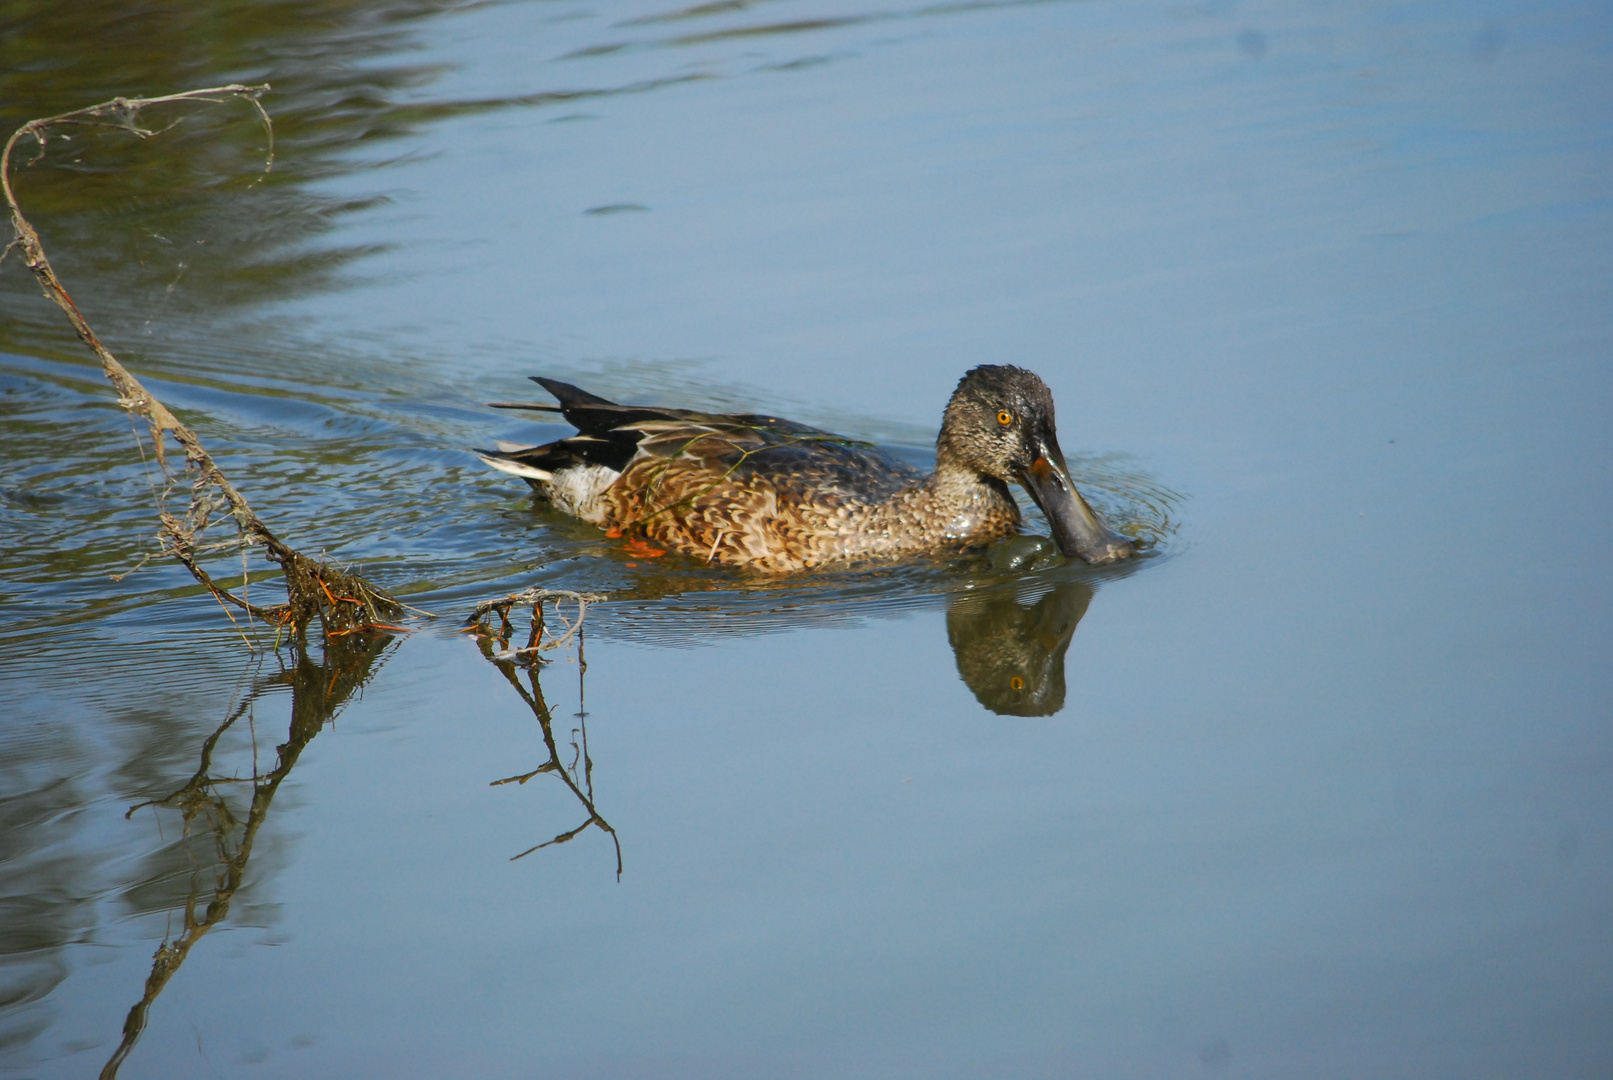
(515, 468)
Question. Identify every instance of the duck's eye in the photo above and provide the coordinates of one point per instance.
(1016, 683)
(1005, 418)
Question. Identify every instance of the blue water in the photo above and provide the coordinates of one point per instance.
(1323, 294)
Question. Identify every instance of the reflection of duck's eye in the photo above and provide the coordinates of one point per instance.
(1005, 418)
(1016, 683)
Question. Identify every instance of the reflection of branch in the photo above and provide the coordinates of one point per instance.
(579, 776)
(317, 692)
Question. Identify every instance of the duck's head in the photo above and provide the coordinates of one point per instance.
(999, 423)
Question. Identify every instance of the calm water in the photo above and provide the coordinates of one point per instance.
(1321, 788)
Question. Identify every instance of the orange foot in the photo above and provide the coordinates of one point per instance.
(643, 550)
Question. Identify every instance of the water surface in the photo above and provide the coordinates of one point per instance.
(1319, 788)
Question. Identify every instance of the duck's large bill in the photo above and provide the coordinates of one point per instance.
(1079, 532)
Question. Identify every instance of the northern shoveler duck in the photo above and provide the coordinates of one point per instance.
(775, 496)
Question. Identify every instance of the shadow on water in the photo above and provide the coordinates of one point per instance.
(1009, 637)
(1011, 611)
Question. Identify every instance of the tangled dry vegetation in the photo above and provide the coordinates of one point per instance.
(340, 601)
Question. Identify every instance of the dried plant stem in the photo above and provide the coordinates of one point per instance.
(343, 602)
(538, 640)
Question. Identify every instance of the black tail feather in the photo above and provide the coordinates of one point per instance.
(569, 395)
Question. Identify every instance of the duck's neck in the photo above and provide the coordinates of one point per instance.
(964, 506)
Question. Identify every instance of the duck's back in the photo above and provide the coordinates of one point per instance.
(757, 491)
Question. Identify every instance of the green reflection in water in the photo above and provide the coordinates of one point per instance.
(164, 237)
(167, 244)
(124, 220)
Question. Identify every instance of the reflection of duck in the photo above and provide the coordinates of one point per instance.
(775, 496)
(1011, 654)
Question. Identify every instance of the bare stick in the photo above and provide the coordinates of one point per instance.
(537, 641)
(341, 601)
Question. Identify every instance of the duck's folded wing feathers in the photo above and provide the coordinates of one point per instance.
(542, 462)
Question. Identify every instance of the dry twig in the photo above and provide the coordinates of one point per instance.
(341, 601)
(539, 639)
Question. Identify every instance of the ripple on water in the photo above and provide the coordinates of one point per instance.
(391, 489)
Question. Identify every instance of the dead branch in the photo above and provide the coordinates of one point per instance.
(540, 639)
(342, 602)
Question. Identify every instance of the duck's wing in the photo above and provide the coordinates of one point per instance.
(604, 434)
(797, 463)
(593, 415)
(700, 449)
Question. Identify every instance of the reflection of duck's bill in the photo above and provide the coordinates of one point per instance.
(1078, 531)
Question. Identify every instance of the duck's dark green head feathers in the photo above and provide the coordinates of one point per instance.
(1000, 423)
